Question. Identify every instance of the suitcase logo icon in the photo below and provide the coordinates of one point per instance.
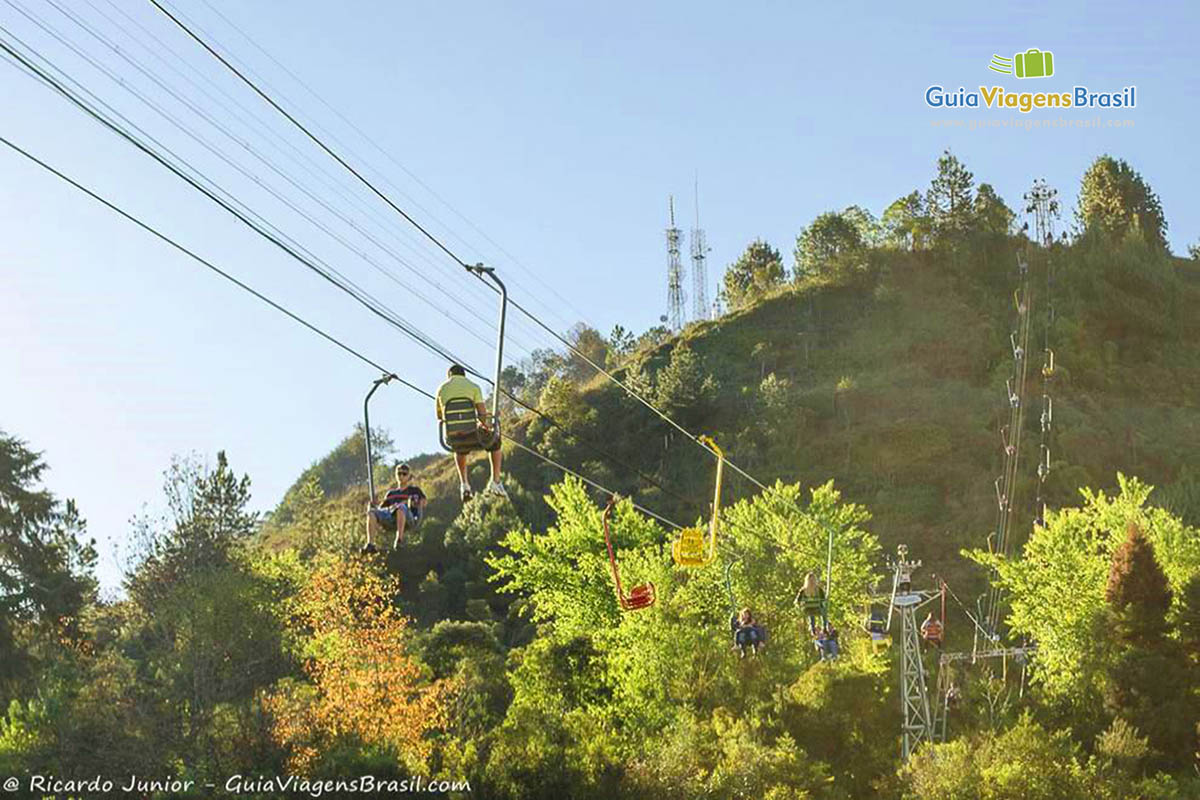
(1033, 63)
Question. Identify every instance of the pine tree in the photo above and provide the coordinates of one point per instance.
(1148, 682)
(45, 565)
(1137, 588)
(904, 223)
(1188, 620)
(949, 199)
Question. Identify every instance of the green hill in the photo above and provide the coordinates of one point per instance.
(887, 376)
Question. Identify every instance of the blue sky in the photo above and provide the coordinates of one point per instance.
(557, 129)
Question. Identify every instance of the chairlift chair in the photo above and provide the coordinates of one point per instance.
(875, 625)
(460, 429)
(640, 595)
(734, 623)
(935, 633)
(690, 549)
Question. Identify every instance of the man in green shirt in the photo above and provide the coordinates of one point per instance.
(458, 386)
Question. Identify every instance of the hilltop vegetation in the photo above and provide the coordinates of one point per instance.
(864, 384)
(880, 361)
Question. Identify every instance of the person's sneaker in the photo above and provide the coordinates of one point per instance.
(369, 549)
(464, 492)
(497, 488)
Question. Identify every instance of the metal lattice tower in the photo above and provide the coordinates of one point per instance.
(1042, 202)
(700, 307)
(674, 272)
(918, 722)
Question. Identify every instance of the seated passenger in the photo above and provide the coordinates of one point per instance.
(747, 633)
(931, 630)
(458, 386)
(827, 643)
(811, 599)
(400, 510)
(831, 642)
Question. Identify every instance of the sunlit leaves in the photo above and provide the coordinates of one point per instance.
(1056, 588)
(362, 684)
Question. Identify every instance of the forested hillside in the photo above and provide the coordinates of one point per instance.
(865, 383)
(882, 366)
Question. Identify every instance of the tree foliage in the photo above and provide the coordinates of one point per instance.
(949, 199)
(1057, 587)
(832, 235)
(1026, 762)
(1115, 200)
(756, 271)
(46, 566)
(991, 214)
(362, 686)
(1149, 683)
(683, 388)
(905, 224)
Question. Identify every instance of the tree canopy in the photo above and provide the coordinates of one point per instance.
(1115, 200)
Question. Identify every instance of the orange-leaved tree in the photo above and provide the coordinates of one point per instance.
(363, 689)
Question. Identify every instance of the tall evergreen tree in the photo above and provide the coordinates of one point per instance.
(1188, 620)
(949, 198)
(205, 627)
(1149, 684)
(208, 517)
(46, 568)
(992, 214)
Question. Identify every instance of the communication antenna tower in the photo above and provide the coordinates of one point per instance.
(674, 272)
(700, 307)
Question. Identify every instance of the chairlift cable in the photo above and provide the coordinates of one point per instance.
(276, 239)
(210, 147)
(423, 230)
(292, 315)
(417, 335)
(386, 154)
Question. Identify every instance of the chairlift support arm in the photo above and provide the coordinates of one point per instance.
(380, 381)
